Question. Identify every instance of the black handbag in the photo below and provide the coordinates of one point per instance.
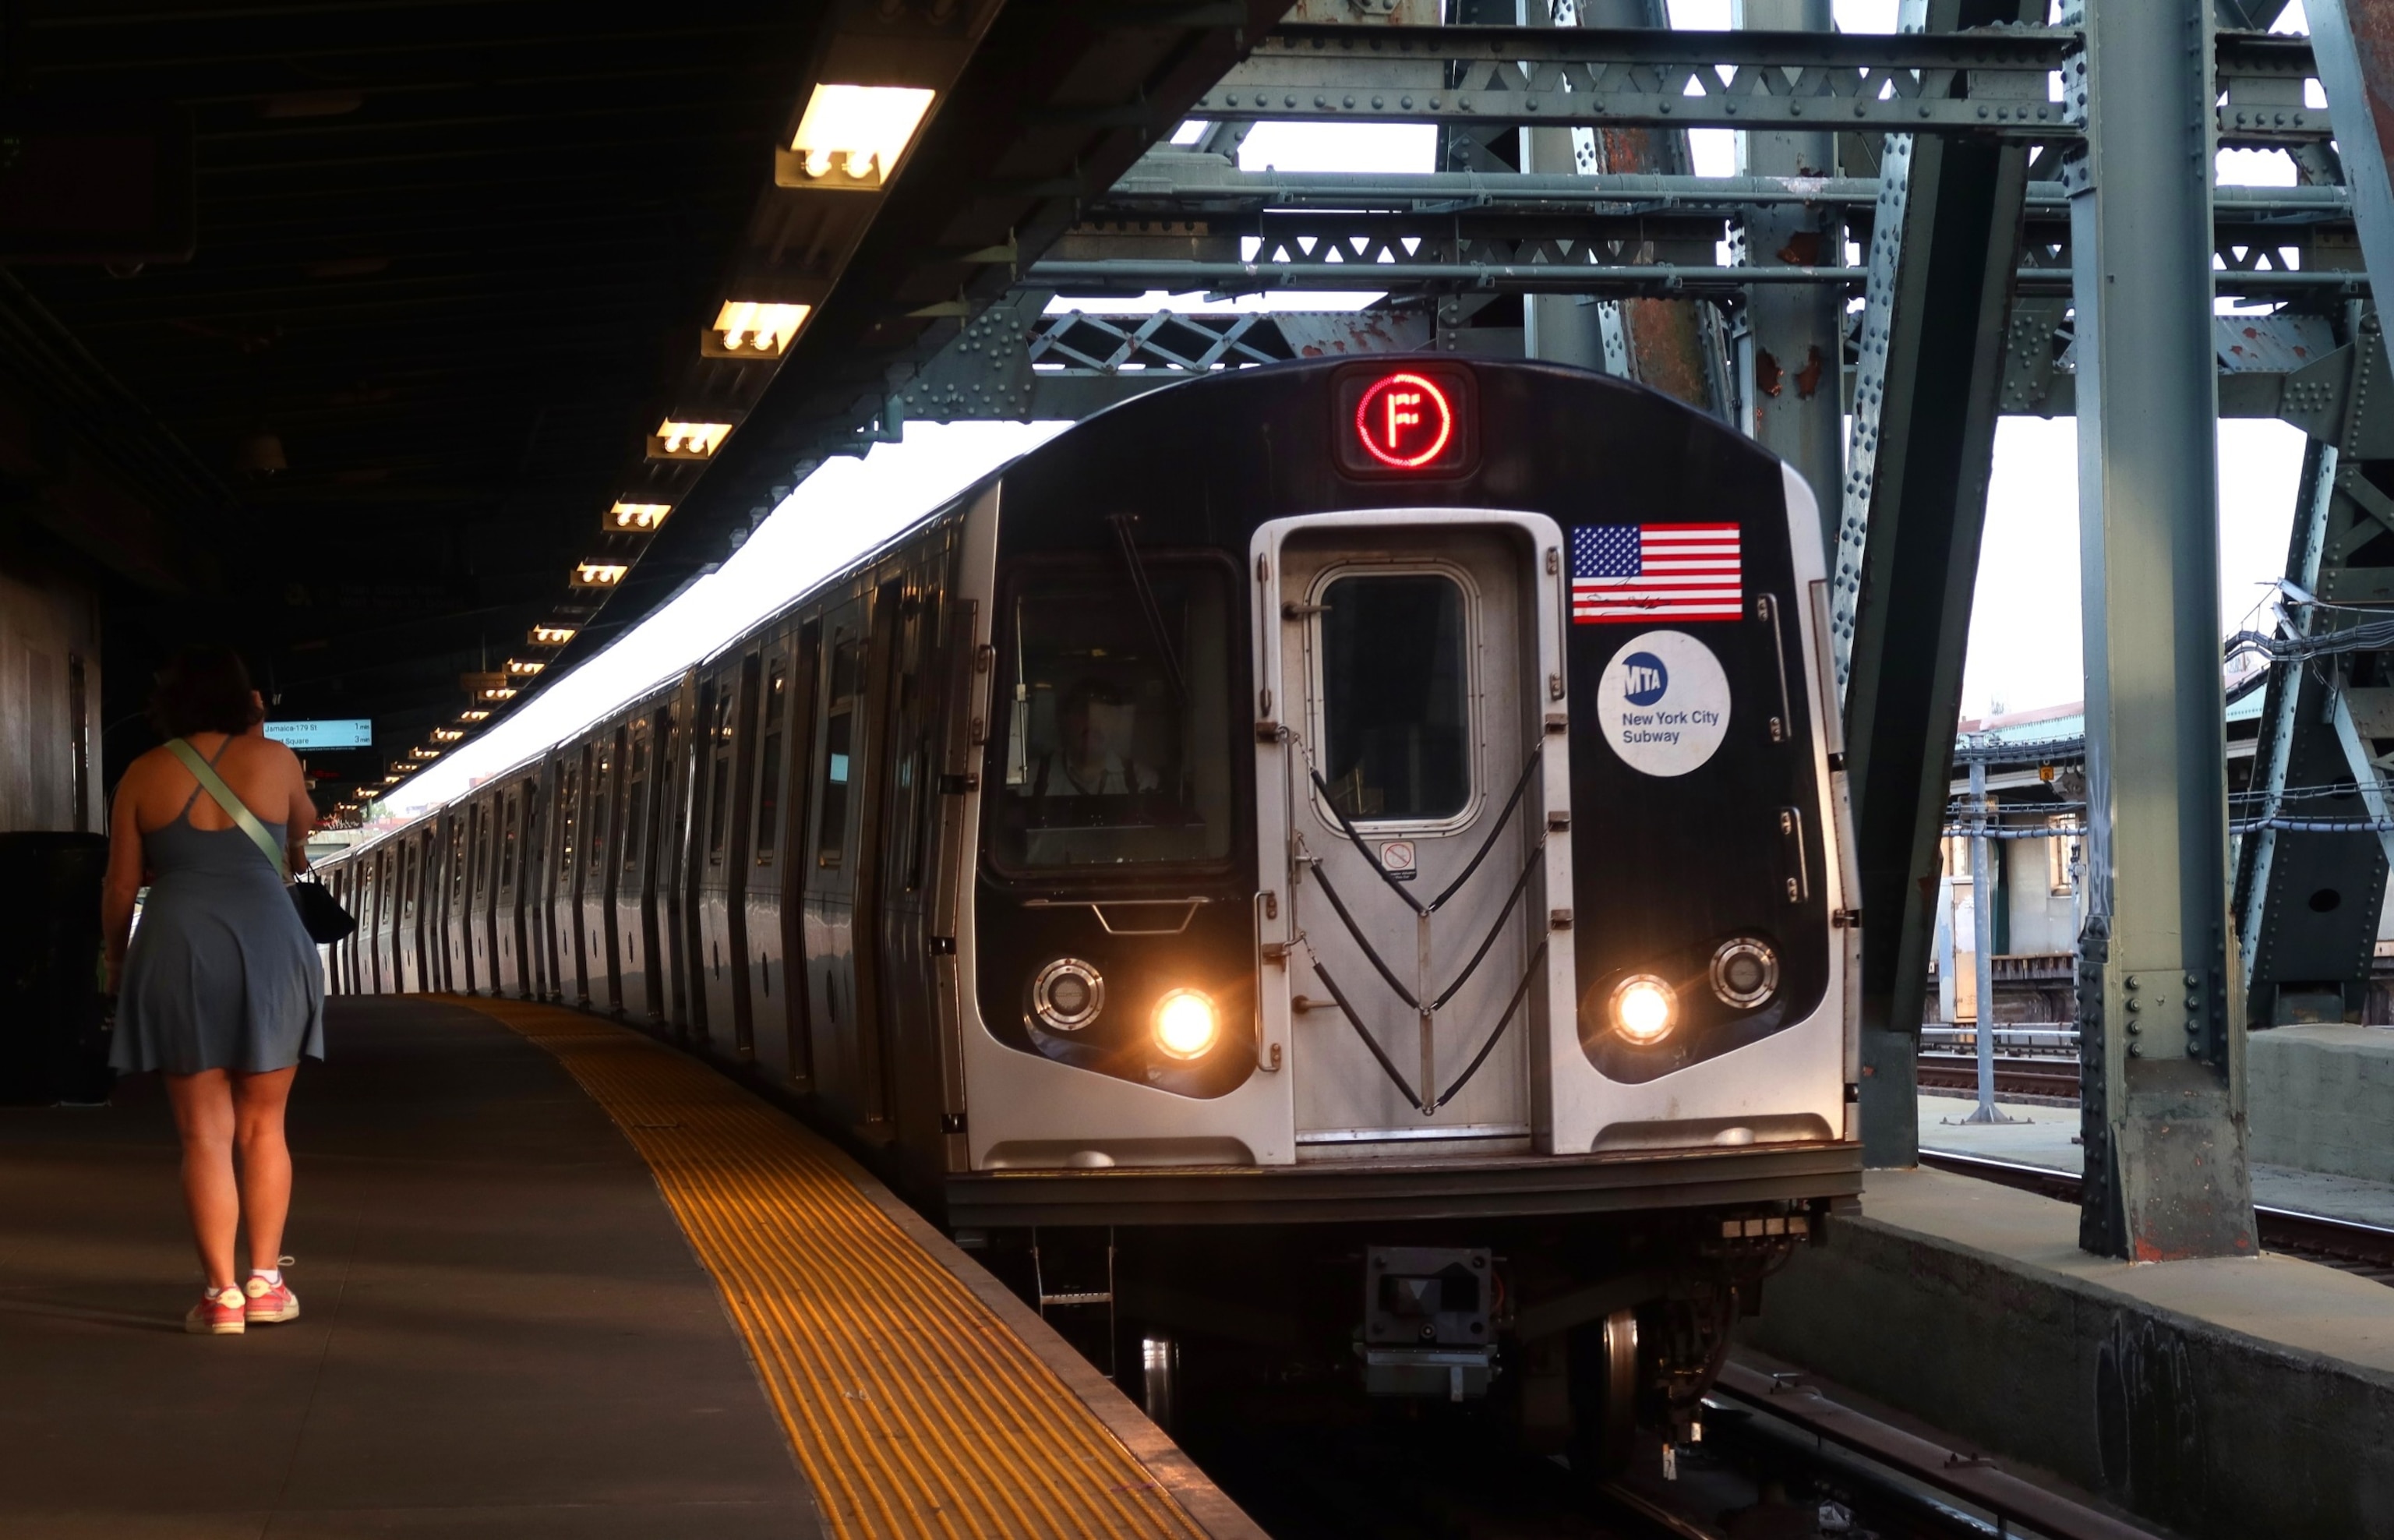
(321, 915)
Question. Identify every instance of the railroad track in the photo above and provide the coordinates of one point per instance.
(2365, 1249)
(2015, 1074)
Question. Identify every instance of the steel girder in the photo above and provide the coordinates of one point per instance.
(1987, 83)
(1924, 408)
(2160, 1023)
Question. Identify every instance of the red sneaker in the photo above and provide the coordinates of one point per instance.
(220, 1313)
(270, 1303)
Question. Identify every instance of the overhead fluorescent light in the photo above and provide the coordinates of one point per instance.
(747, 328)
(423, 754)
(636, 518)
(393, 780)
(477, 714)
(853, 136)
(523, 669)
(448, 734)
(598, 575)
(551, 635)
(495, 693)
(675, 440)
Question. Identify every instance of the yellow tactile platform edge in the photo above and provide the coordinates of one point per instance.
(912, 1408)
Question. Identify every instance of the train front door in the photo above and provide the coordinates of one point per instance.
(1412, 759)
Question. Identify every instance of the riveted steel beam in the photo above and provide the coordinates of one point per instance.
(1989, 81)
(2161, 1024)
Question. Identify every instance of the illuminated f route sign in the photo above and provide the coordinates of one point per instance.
(1405, 420)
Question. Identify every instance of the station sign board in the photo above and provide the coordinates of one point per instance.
(328, 733)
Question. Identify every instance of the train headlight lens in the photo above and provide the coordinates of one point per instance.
(1185, 1024)
(1644, 1009)
(1068, 993)
(1745, 972)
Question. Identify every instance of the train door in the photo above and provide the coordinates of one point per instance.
(834, 1010)
(672, 852)
(635, 925)
(722, 877)
(788, 879)
(377, 922)
(538, 882)
(506, 918)
(601, 818)
(481, 917)
(411, 876)
(458, 900)
(904, 775)
(565, 901)
(705, 728)
(1414, 662)
(766, 974)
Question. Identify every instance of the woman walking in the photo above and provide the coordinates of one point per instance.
(221, 989)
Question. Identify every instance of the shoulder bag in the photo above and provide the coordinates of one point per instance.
(321, 915)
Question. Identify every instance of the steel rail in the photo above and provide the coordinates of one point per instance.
(1965, 1474)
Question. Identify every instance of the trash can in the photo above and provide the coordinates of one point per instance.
(53, 1037)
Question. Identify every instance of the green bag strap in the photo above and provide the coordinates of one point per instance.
(234, 807)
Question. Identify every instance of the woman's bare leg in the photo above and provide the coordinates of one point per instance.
(204, 1116)
(258, 1100)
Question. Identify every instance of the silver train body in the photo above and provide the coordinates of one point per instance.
(1335, 811)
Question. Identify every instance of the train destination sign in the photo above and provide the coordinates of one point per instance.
(330, 732)
(1405, 422)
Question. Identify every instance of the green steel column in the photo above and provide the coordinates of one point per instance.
(2163, 1112)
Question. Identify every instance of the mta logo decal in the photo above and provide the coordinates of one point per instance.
(1644, 679)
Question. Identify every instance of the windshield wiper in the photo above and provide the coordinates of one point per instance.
(1148, 607)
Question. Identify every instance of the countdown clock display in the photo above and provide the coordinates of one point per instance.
(1405, 419)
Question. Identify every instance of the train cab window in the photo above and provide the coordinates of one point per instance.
(1396, 742)
(1117, 744)
(768, 762)
(839, 724)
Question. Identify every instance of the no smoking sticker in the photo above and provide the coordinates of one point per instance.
(1664, 704)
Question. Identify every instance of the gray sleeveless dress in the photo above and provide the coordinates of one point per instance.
(220, 974)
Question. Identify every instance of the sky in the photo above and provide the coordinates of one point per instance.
(2024, 649)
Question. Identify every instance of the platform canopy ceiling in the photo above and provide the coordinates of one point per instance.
(335, 328)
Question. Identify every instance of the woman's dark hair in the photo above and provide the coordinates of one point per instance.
(203, 690)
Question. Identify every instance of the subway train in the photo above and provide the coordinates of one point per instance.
(1337, 864)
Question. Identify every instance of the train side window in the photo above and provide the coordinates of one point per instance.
(594, 835)
(568, 807)
(768, 762)
(508, 844)
(719, 795)
(636, 798)
(839, 722)
(1395, 697)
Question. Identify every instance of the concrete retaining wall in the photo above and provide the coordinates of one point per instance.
(2189, 1423)
(2321, 1099)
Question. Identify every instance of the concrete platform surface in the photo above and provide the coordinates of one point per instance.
(2048, 1137)
(2227, 1398)
(505, 1332)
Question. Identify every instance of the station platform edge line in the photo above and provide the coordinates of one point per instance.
(920, 1397)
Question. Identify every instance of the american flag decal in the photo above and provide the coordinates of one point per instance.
(1623, 573)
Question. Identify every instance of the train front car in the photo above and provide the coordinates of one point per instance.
(1408, 923)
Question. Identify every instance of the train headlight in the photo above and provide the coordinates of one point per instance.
(1185, 1024)
(1644, 1009)
(1068, 993)
(1745, 972)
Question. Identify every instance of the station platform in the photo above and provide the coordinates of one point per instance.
(557, 1280)
(2218, 1398)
